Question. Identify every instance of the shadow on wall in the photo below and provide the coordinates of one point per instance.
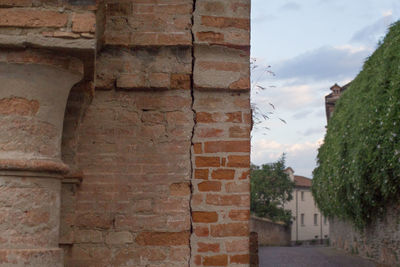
(270, 233)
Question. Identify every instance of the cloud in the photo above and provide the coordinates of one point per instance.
(302, 114)
(290, 6)
(293, 97)
(371, 34)
(313, 131)
(301, 156)
(324, 63)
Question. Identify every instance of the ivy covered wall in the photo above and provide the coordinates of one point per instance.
(358, 171)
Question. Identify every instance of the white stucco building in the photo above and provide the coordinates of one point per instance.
(308, 223)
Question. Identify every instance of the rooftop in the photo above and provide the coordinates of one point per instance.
(302, 181)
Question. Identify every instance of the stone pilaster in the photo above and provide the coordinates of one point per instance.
(34, 87)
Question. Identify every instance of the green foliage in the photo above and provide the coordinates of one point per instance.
(358, 172)
(271, 188)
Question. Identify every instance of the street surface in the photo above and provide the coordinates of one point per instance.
(309, 257)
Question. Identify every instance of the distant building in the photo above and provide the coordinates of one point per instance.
(308, 222)
(330, 100)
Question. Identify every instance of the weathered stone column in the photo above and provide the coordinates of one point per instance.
(34, 88)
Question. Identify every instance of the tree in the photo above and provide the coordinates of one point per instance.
(271, 188)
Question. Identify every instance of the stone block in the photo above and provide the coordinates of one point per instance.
(221, 68)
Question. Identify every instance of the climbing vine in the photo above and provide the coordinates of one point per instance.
(358, 166)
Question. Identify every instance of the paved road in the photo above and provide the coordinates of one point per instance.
(309, 257)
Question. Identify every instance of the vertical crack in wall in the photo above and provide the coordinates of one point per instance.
(192, 136)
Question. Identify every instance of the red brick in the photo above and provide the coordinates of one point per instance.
(152, 254)
(224, 22)
(217, 260)
(209, 186)
(239, 132)
(222, 66)
(132, 80)
(85, 22)
(245, 175)
(179, 253)
(247, 118)
(198, 148)
(211, 7)
(179, 189)
(61, 34)
(239, 215)
(239, 161)
(227, 146)
(179, 118)
(201, 174)
(208, 247)
(241, 84)
(197, 260)
(230, 229)
(204, 117)
(239, 259)
(237, 245)
(160, 80)
(32, 18)
(228, 200)
(163, 238)
(204, 217)
(201, 231)
(242, 103)
(180, 81)
(223, 174)
(234, 117)
(183, 39)
(207, 161)
(234, 187)
(209, 132)
(197, 199)
(223, 162)
(212, 37)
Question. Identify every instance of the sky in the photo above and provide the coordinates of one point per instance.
(309, 45)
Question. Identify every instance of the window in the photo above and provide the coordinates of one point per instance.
(325, 221)
(302, 219)
(302, 195)
(315, 219)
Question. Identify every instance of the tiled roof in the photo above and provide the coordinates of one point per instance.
(302, 181)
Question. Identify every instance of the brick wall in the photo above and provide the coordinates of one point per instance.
(49, 24)
(149, 23)
(132, 208)
(157, 134)
(220, 202)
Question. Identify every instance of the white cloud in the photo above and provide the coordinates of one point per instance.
(300, 156)
(370, 34)
(327, 62)
(293, 97)
(387, 13)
